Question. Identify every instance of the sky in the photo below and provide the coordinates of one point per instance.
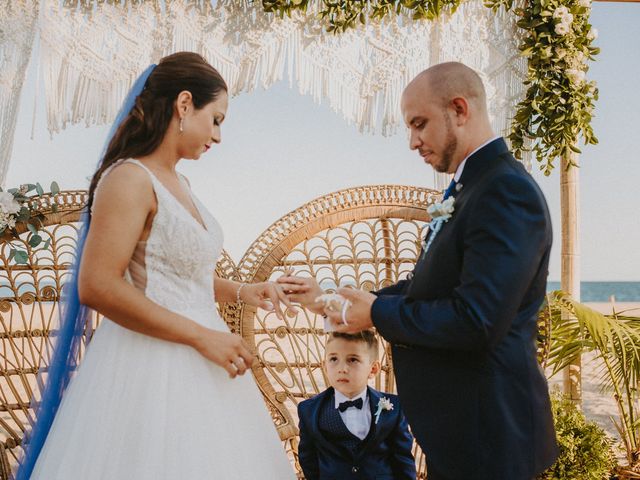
(280, 150)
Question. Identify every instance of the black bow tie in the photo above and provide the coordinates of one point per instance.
(350, 403)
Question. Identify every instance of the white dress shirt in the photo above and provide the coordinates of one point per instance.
(358, 421)
(460, 168)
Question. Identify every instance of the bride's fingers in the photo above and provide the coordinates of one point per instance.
(231, 370)
(272, 302)
(244, 353)
(240, 365)
(247, 357)
(276, 306)
(283, 298)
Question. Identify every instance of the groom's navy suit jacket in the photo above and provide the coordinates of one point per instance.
(463, 329)
(329, 451)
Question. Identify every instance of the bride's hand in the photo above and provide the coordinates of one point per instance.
(227, 350)
(266, 295)
(303, 290)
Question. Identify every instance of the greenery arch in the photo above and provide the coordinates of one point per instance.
(557, 40)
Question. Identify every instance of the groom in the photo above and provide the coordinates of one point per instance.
(463, 325)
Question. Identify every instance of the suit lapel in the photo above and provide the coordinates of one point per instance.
(481, 162)
(377, 429)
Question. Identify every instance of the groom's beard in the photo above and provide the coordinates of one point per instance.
(450, 147)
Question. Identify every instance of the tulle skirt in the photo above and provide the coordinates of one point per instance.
(146, 409)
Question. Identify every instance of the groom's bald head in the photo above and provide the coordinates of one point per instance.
(445, 109)
(443, 82)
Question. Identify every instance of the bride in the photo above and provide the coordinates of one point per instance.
(160, 392)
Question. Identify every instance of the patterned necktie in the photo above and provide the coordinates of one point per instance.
(450, 189)
(350, 403)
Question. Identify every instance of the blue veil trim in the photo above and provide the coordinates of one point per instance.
(72, 325)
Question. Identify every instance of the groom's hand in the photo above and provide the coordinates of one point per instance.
(358, 315)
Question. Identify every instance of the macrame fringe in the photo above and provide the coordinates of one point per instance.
(90, 54)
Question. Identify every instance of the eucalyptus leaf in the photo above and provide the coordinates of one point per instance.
(39, 189)
(35, 240)
(20, 256)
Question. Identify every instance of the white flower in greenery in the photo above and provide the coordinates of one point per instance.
(593, 34)
(8, 204)
(561, 12)
(562, 28)
(561, 53)
(584, 3)
(580, 58)
(575, 76)
(383, 404)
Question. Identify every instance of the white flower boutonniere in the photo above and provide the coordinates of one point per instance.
(440, 213)
(383, 404)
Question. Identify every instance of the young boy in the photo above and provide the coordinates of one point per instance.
(351, 431)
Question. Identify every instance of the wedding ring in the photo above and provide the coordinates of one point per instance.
(239, 362)
(345, 307)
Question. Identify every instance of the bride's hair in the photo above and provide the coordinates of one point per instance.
(142, 131)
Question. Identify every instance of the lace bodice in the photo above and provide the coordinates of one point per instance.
(175, 265)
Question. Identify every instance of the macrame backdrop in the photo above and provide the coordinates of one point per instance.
(18, 20)
(90, 54)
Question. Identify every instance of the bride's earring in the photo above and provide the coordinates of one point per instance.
(181, 125)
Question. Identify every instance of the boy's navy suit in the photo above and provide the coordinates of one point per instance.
(329, 451)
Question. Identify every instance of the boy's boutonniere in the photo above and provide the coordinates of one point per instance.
(383, 404)
(440, 213)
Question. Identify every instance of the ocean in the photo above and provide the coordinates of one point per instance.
(602, 291)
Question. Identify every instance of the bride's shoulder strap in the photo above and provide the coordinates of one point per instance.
(122, 161)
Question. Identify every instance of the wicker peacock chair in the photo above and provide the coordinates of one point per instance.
(29, 307)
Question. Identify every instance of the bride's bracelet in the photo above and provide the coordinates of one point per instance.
(238, 299)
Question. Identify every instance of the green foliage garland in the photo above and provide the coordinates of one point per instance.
(557, 40)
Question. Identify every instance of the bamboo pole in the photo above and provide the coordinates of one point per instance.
(570, 257)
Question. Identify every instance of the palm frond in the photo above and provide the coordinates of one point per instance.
(614, 340)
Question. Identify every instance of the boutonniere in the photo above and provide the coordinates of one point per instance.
(440, 213)
(383, 404)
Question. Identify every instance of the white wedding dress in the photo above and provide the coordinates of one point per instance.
(140, 408)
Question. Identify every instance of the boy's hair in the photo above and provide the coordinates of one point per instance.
(366, 336)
